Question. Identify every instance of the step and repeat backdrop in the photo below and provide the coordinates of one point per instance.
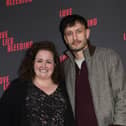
(23, 22)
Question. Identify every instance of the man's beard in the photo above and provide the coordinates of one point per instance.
(78, 49)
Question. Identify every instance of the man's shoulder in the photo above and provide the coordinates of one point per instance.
(106, 51)
(107, 54)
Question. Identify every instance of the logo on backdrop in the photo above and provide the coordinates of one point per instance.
(124, 36)
(9, 43)
(92, 22)
(65, 12)
(68, 11)
(17, 2)
(4, 81)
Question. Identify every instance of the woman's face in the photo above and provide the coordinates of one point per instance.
(44, 65)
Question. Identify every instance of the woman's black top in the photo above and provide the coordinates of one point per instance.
(23, 104)
(43, 109)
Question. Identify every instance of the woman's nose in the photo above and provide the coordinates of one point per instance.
(43, 64)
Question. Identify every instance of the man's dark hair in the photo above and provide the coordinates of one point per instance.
(70, 21)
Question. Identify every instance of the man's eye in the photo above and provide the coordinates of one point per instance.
(69, 33)
(79, 31)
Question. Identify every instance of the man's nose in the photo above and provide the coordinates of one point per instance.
(74, 36)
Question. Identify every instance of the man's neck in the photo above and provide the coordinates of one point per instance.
(79, 55)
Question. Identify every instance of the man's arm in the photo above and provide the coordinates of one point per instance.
(118, 81)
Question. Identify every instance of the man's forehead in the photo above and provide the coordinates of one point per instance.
(76, 25)
(73, 23)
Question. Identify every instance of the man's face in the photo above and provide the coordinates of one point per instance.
(76, 36)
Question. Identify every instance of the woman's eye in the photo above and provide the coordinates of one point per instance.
(39, 61)
(50, 62)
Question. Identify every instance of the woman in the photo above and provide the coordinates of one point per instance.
(38, 97)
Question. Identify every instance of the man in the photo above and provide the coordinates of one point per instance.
(94, 77)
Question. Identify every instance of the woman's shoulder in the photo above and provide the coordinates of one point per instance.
(16, 88)
(62, 85)
(18, 83)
